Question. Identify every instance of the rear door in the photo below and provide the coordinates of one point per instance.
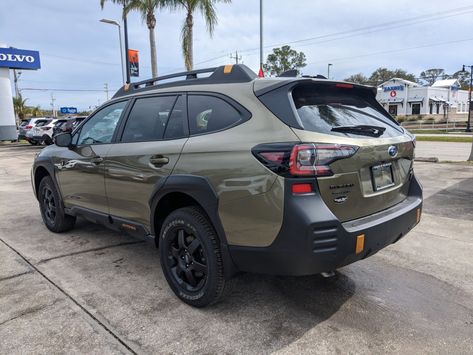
(377, 175)
(150, 142)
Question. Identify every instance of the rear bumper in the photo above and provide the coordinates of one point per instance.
(312, 240)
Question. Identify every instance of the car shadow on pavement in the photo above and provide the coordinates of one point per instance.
(454, 201)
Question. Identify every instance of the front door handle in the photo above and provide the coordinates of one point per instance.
(96, 160)
(159, 160)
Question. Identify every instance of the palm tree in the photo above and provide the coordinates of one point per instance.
(207, 7)
(147, 9)
(19, 104)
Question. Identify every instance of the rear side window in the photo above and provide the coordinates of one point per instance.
(209, 114)
(148, 118)
(177, 124)
(322, 108)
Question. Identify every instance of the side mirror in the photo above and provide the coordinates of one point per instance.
(63, 140)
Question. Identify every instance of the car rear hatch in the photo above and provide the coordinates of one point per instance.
(361, 157)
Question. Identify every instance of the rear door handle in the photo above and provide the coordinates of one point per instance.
(96, 160)
(159, 160)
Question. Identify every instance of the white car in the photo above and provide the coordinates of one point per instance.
(42, 132)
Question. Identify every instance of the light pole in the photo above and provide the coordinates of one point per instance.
(112, 22)
(468, 127)
(261, 73)
(328, 70)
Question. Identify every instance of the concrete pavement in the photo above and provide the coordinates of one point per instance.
(96, 291)
(444, 151)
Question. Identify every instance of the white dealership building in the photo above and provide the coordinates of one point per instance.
(441, 100)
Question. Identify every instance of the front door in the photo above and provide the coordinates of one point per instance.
(79, 170)
(393, 110)
(146, 152)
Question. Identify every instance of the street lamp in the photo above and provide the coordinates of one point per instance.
(468, 127)
(328, 70)
(113, 22)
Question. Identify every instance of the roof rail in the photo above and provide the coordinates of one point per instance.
(225, 74)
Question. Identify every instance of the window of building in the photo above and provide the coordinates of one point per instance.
(148, 118)
(416, 109)
(208, 114)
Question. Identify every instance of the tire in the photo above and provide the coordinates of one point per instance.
(32, 142)
(52, 209)
(191, 259)
(46, 140)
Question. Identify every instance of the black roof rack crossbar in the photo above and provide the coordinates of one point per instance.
(187, 74)
(219, 75)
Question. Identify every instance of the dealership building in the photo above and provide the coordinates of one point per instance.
(443, 99)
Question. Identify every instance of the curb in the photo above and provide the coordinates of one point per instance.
(427, 160)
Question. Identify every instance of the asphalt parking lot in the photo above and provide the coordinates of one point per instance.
(96, 291)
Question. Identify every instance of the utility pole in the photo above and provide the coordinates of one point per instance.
(52, 105)
(105, 86)
(468, 125)
(236, 57)
(125, 29)
(328, 70)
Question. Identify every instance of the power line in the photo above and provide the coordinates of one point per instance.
(50, 89)
(391, 51)
(367, 29)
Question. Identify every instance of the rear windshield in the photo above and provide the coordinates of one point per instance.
(41, 123)
(320, 108)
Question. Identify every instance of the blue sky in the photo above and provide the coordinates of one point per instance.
(79, 52)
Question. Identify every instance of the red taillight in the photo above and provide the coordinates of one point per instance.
(29, 127)
(301, 188)
(314, 159)
(306, 160)
(273, 157)
(344, 86)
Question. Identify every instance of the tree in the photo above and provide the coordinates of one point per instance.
(463, 78)
(359, 78)
(381, 75)
(430, 76)
(147, 9)
(19, 105)
(283, 59)
(207, 8)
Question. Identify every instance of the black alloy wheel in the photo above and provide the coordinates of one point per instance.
(190, 257)
(52, 209)
(49, 204)
(186, 259)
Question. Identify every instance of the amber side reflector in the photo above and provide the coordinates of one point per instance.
(418, 215)
(360, 243)
(128, 226)
(228, 69)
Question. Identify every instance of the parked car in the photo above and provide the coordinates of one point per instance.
(27, 124)
(42, 132)
(32, 134)
(67, 125)
(229, 173)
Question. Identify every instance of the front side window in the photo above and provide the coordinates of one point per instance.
(148, 118)
(209, 114)
(99, 129)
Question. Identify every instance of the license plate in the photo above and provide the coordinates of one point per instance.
(382, 176)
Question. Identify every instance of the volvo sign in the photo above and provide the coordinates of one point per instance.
(19, 59)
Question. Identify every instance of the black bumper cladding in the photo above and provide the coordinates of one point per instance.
(312, 240)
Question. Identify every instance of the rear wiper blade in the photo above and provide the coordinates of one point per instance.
(364, 130)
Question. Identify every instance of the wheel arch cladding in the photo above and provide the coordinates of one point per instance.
(39, 173)
(188, 190)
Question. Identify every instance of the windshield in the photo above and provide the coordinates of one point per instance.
(322, 108)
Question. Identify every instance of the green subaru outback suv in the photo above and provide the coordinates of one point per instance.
(230, 172)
